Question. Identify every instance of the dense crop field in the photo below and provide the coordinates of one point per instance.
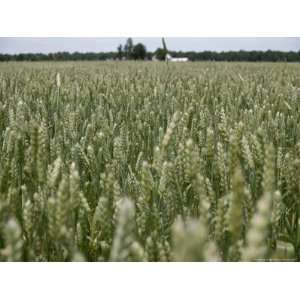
(149, 162)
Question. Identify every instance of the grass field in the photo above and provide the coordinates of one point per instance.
(149, 162)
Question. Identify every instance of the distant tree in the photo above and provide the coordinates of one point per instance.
(149, 55)
(139, 51)
(160, 54)
(120, 52)
(128, 48)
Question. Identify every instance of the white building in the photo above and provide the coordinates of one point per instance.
(172, 59)
(176, 59)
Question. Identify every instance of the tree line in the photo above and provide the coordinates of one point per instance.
(129, 51)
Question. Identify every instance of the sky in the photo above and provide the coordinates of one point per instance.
(48, 45)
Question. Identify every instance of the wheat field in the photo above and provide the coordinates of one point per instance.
(128, 161)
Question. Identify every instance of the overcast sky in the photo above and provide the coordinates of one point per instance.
(47, 45)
